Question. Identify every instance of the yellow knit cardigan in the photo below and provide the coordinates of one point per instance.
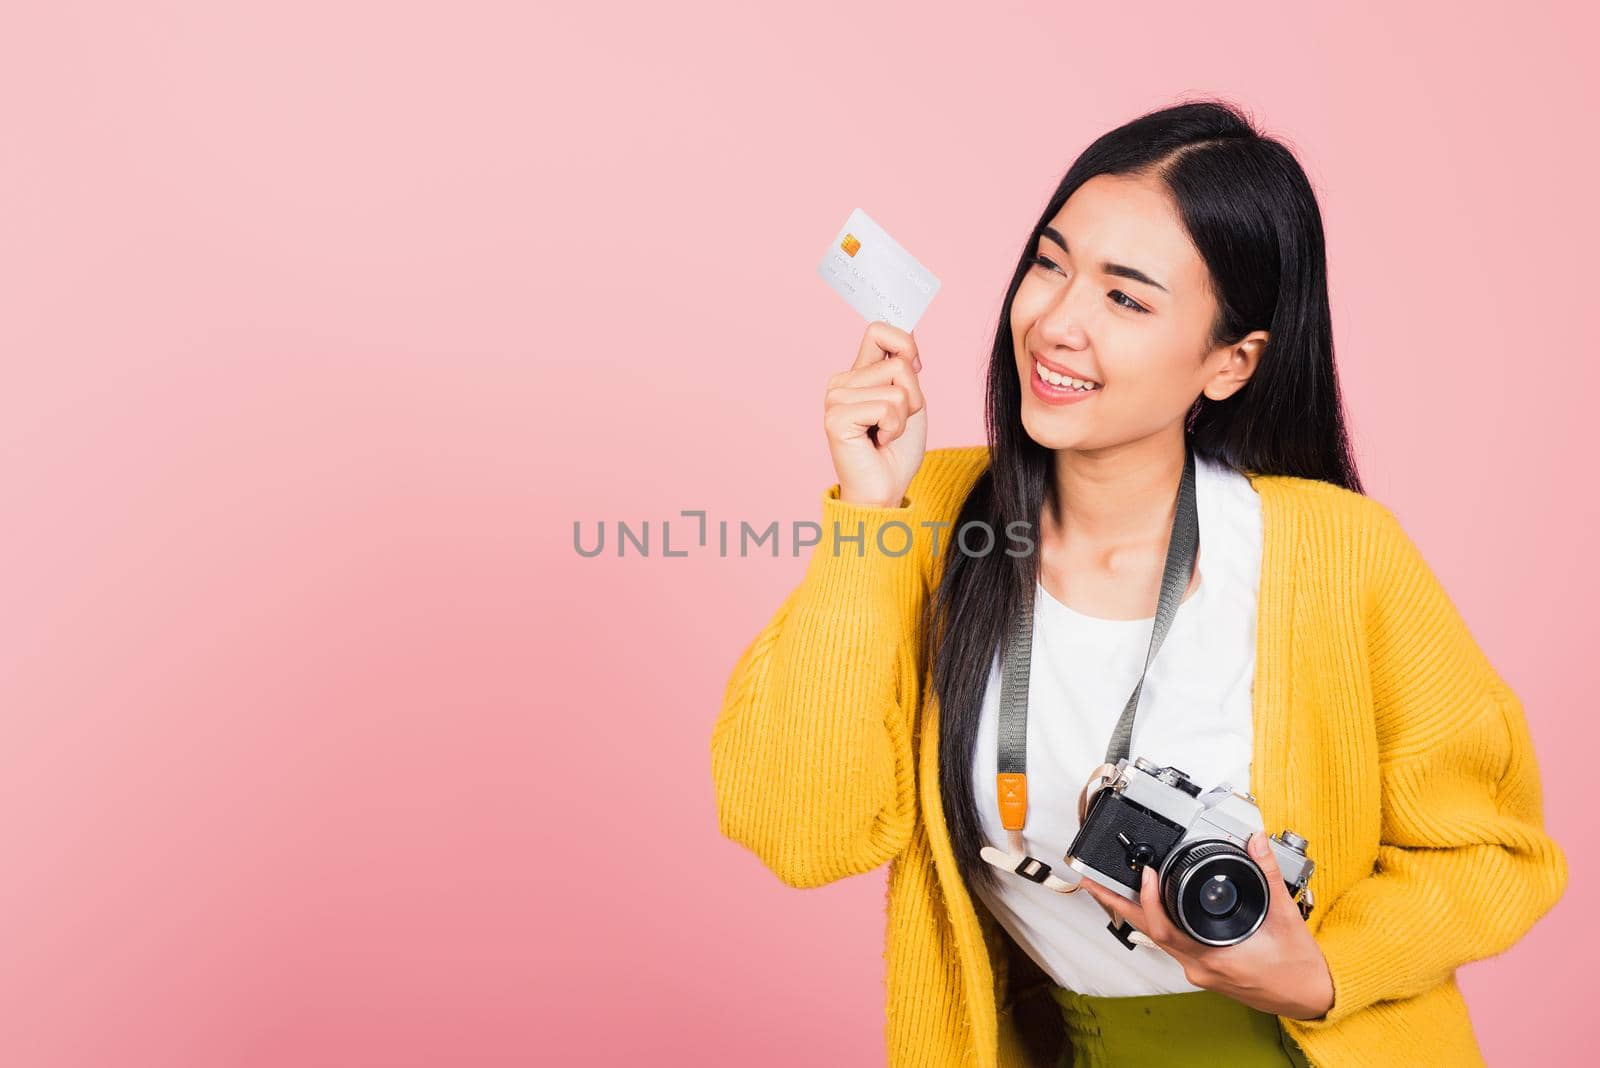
(1381, 733)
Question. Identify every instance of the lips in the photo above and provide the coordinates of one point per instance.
(1057, 395)
(1063, 369)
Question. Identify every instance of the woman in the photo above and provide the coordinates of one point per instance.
(1164, 365)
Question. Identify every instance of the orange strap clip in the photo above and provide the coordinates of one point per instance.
(1011, 787)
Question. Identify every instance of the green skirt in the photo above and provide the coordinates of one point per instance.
(1189, 1030)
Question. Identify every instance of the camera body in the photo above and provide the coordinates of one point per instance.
(1146, 815)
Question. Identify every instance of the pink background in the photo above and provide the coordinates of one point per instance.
(323, 322)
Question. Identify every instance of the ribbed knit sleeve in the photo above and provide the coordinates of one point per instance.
(811, 754)
(1464, 866)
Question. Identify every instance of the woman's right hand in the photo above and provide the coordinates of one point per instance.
(875, 419)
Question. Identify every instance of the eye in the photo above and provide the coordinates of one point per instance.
(1117, 296)
(1127, 301)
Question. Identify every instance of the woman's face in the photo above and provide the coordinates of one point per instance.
(1120, 297)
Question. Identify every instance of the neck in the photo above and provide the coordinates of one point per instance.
(1119, 494)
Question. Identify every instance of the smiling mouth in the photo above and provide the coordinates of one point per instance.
(1060, 381)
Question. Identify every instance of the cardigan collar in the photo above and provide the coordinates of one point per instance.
(1269, 777)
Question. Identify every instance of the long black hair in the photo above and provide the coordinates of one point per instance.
(1250, 211)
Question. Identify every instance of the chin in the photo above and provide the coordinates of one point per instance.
(1040, 430)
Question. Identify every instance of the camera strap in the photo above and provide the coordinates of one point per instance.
(1011, 779)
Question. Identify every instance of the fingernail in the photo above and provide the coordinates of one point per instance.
(1258, 844)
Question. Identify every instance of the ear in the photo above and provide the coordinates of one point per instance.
(1242, 358)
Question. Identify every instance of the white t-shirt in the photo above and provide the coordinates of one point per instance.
(1194, 713)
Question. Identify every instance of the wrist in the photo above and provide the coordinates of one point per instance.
(864, 501)
(1317, 997)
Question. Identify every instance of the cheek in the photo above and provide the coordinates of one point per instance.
(1155, 366)
(1157, 379)
(1025, 306)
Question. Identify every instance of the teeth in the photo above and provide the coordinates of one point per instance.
(1054, 379)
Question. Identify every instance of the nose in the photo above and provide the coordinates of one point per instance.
(1062, 320)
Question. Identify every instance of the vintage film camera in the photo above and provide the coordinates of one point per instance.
(1143, 815)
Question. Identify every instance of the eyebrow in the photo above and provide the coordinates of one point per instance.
(1118, 269)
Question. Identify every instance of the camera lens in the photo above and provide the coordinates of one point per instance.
(1218, 895)
(1214, 892)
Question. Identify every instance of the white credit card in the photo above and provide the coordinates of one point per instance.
(875, 276)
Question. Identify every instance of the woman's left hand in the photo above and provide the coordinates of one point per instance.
(1279, 969)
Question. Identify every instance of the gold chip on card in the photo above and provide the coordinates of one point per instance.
(850, 245)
